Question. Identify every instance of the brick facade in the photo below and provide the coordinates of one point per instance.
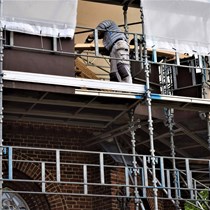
(62, 137)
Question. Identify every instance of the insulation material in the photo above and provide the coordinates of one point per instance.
(182, 25)
(54, 18)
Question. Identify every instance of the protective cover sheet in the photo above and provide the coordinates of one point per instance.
(40, 17)
(180, 24)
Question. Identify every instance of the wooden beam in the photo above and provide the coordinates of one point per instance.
(90, 46)
(82, 70)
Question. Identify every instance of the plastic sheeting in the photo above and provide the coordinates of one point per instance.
(182, 25)
(55, 18)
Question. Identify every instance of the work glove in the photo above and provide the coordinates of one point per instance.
(89, 39)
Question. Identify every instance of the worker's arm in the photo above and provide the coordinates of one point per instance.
(101, 29)
(90, 37)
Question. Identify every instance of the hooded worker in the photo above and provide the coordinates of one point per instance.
(116, 44)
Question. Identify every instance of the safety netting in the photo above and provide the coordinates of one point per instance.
(181, 25)
(55, 18)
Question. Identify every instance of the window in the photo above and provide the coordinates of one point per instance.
(13, 201)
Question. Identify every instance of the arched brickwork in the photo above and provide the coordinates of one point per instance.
(34, 201)
(51, 136)
(30, 171)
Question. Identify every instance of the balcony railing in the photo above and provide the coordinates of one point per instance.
(90, 171)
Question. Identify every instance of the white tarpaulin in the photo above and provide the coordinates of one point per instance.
(180, 24)
(40, 17)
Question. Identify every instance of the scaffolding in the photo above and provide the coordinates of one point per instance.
(144, 175)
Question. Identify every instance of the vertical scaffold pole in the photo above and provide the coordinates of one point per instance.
(208, 128)
(125, 12)
(149, 108)
(1, 102)
(170, 124)
(130, 175)
(135, 167)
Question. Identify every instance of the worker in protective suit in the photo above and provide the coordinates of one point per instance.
(117, 46)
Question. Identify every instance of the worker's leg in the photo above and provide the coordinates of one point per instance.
(123, 64)
(114, 75)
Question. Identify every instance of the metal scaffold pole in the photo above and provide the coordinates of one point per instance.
(170, 124)
(208, 128)
(125, 12)
(135, 167)
(167, 88)
(149, 109)
(1, 103)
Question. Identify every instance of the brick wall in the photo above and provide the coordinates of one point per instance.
(72, 138)
(48, 136)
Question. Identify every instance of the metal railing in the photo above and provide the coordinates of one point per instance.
(90, 171)
(93, 58)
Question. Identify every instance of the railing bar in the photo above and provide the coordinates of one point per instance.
(136, 44)
(195, 189)
(127, 181)
(102, 167)
(189, 177)
(55, 44)
(72, 151)
(85, 179)
(108, 153)
(72, 183)
(178, 184)
(144, 191)
(11, 39)
(168, 183)
(154, 55)
(174, 74)
(96, 42)
(145, 171)
(177, 58)
(70, 164)
(58, 165)
(162, 174)
(43, 178)
(57, 193)
(10, 163)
